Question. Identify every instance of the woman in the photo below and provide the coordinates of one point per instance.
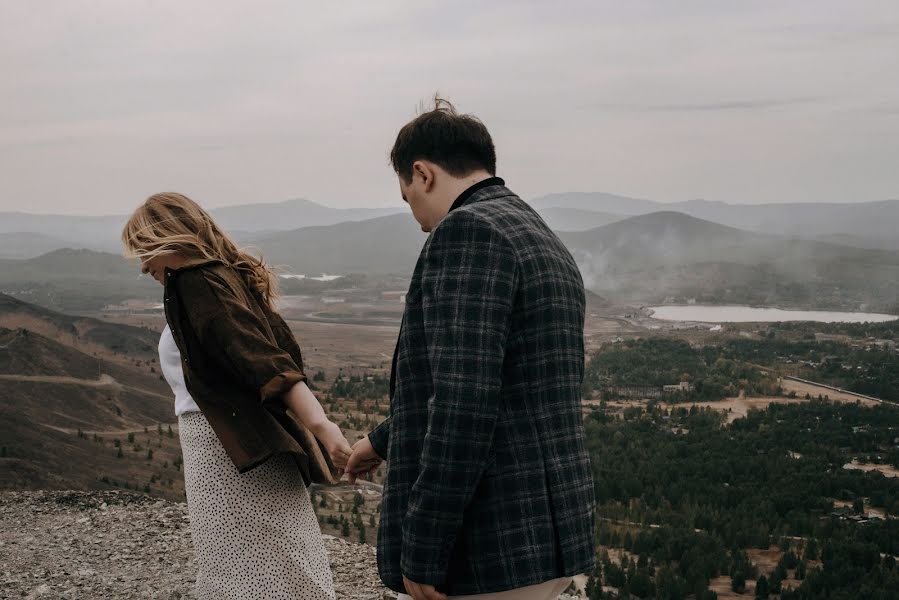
(245, 414)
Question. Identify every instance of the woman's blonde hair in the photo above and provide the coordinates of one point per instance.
(170, 223)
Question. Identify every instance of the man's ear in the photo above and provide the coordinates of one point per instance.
(424, 170)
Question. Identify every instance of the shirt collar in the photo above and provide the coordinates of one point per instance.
(464, 196)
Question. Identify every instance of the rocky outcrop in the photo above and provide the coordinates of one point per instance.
(124, 545)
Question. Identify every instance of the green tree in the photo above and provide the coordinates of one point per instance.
(641, 584)
(738, 582)
(361, 533)
(811, 549)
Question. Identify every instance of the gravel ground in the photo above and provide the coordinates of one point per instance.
(125, 545)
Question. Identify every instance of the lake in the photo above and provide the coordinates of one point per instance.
(748, 314)
(322, 277)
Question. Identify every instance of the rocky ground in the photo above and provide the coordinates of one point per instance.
(125, 545)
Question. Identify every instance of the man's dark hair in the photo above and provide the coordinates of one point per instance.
(458, 144)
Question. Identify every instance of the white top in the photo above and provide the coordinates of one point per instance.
(170, 362)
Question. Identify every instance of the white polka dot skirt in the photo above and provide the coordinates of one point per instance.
(255, 534)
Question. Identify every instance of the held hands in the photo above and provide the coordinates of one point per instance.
(363, 461)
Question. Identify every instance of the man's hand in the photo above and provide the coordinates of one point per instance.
(363, 461)
(420, 591)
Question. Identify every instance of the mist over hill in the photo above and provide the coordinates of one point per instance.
(652, 257)
(644, 258)
(863, 224)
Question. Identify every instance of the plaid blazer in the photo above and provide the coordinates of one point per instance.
(488, 483)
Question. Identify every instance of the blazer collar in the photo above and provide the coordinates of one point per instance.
(467, 194)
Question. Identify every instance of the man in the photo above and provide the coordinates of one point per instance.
(488, 487)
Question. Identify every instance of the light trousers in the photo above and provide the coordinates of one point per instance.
(548, 590)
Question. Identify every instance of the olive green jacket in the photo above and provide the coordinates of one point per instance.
(239, 358)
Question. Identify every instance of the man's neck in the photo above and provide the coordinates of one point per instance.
(466, 182)
(460, 185)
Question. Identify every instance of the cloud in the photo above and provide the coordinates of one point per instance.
(105, 102)
(714, 106)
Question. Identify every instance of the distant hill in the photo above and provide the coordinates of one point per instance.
(378, 246)
(89, 334)
(648, 257)
(30, 244)
(102, 233)
(575, 219)
(49, 390)
(868, 224)
(861, 224)
(664, 254)
(97, 233)
(76, 280)
(23, 352)
(596, 202)
(292, 214)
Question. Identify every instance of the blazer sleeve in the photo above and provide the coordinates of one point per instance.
(469, 280)
(237, 337)
(379, 438)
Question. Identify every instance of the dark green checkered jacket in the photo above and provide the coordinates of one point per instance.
(488, 483)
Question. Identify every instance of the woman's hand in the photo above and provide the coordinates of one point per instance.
(329, 434)
(303, 402)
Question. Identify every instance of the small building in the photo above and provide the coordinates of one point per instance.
(683, 386)
(398, 296)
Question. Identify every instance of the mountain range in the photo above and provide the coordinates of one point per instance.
(25, 235)
(869, 225)
(863, 224)
(645, 258)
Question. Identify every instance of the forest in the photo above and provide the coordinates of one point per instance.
(685, 507)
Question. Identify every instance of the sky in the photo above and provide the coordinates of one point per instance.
(104, 102)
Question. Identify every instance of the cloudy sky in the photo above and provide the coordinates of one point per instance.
(106, 101)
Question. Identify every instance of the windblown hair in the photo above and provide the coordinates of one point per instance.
(459, 144)
(169, 223)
